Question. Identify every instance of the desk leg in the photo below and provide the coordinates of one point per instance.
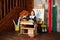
(21, 31)
(35, 29)
(31, 32)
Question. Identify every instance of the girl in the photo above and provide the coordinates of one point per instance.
(32, 17)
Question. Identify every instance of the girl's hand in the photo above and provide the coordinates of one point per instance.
(31, 20)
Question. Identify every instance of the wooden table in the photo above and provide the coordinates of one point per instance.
(31, 31)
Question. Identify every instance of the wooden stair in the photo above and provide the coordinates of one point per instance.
(6, 23)
(10, 9)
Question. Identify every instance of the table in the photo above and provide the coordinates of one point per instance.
(31, 31)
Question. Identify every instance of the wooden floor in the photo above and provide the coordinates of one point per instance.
(41, 36)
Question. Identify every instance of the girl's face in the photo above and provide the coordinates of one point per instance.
(32, 13)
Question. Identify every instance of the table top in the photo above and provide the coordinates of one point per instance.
(27, 23)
